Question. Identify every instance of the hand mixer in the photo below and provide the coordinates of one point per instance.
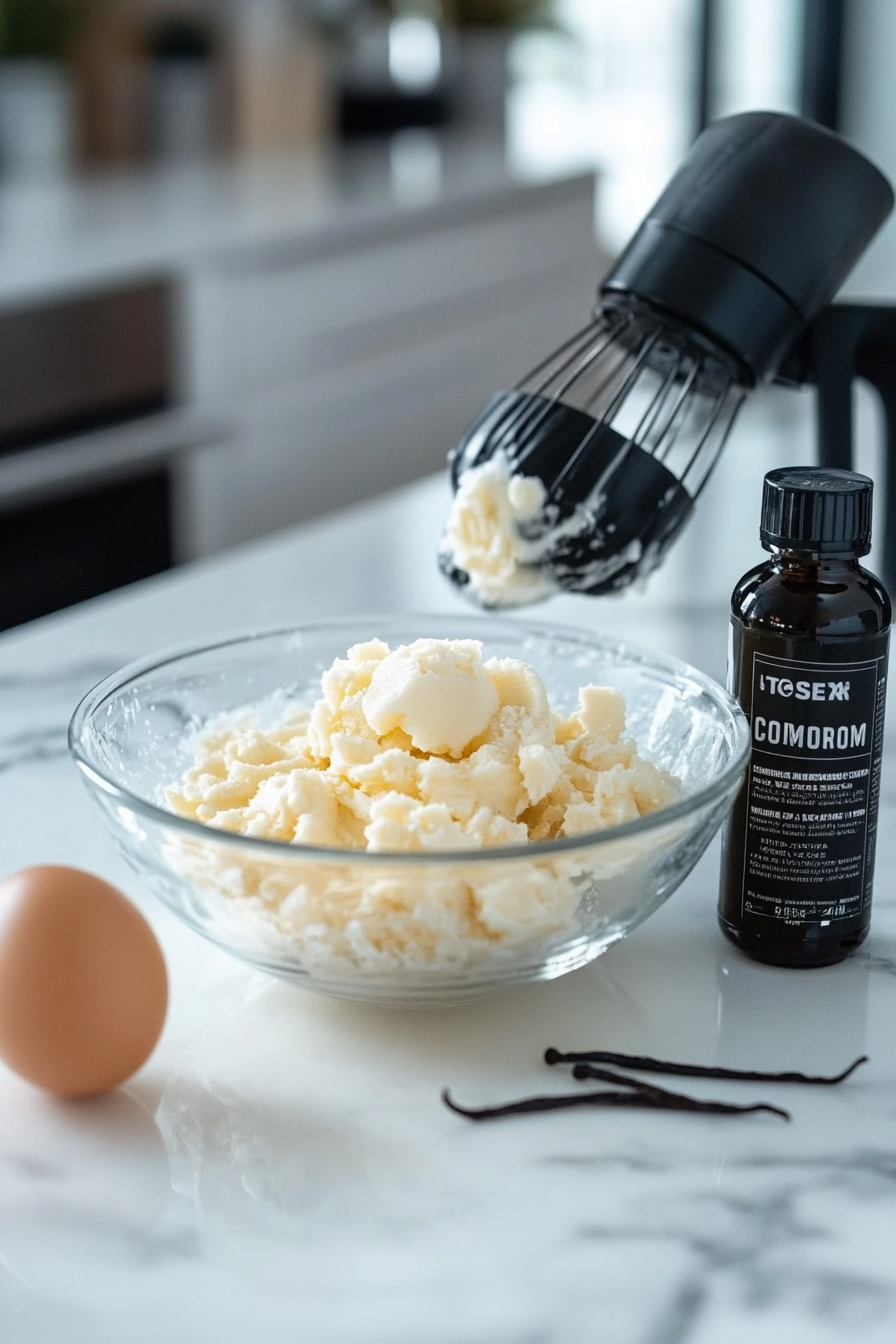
(617, 431)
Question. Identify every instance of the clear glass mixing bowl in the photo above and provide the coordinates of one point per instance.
(130, 738)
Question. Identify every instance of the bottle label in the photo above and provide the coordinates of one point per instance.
(812, 791)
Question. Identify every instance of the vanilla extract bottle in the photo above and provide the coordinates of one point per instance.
(808, 665)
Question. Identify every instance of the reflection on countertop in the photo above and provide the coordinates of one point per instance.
(67, 232)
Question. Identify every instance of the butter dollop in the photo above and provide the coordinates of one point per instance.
(437, 691)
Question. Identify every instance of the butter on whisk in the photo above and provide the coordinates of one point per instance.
(485, 535)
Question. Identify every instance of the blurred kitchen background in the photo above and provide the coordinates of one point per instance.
(260, 259)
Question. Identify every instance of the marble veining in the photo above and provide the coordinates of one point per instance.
(766, 1249)
(42, 744)
(875, 962)
(40, 682)
(35, 707)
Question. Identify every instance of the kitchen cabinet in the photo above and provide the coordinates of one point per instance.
(352, 365)
(318, 334)
(77, 371)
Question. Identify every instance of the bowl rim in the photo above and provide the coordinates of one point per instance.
(709, 793)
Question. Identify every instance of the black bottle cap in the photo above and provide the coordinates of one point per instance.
(817, 509)
(755, 233)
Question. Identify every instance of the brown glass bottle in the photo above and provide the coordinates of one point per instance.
(808, 664)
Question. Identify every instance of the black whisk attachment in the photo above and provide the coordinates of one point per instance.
(621, 427)
(583, 475)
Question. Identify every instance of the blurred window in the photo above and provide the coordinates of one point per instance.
(617, 86)
(755, 57)
(415, 54)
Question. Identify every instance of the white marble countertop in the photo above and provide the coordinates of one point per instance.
(75, 234)
(283, 1169)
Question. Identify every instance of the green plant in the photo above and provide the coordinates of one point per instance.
(41, 29)
(498, 13)
(495, 14)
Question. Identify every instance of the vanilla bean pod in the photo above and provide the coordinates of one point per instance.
(591, 1072)
(647, 1065)
(623, 1080)
(581, 1072)
(633, 1101)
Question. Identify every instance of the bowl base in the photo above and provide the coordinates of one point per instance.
(426, 992)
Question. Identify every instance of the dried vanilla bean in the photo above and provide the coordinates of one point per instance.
(595, 1074)
(622, 1080)
(647, 1065)
(592, 1073)
(631, 1100)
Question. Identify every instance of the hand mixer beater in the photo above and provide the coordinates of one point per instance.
(582, 476)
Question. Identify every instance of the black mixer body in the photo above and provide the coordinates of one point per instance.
(718, 288)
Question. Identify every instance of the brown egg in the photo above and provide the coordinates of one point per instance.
(83, 985)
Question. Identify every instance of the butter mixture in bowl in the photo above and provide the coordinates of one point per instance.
(424, 747)
(412, 810)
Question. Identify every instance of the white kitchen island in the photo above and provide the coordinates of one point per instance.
(282, 1169)
(328, 322)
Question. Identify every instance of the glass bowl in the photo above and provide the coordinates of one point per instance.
(130, 738)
